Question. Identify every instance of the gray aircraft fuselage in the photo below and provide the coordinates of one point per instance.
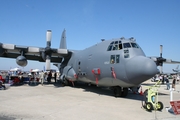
(117, 62)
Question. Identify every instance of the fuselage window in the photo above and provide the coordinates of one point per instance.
(117, 58)
(126, 53)
(134, 45)
(112, 59)
(126, 45)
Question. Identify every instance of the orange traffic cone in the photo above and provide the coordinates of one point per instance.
(141, 92)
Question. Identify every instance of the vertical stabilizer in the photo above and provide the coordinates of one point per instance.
(177, 67)
(63, 40)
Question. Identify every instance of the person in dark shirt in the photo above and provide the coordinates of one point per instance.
(167, 83)
(174, 83)
(55, 75)
(49, 77)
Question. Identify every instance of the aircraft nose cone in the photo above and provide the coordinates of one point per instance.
(140, 69)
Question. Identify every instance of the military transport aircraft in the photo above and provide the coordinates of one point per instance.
(118, 63)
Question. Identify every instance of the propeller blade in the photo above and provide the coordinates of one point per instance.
(161, 47)
(161, 69)
(48, 64)
(48, 38)
(8, 46)
(153, 58)
(48, 35)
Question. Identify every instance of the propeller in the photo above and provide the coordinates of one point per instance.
(47, 53)
(160, 60)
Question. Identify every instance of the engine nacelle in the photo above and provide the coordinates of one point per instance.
(21, 61)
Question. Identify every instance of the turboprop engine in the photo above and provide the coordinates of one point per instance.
(21, 61)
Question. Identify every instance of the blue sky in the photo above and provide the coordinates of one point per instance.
(151, 22)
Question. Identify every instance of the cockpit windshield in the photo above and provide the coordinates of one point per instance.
(126, 45)
(134, 45)
(118, 45)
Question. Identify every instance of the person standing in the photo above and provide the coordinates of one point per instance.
(174, 83)
(49, 77)
(55, 75)
(167, 82)
(42, 76)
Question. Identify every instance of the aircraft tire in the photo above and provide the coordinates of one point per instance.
(145, 98)
(124, 92)
(117, 91)
(149, 106)
(159, 106)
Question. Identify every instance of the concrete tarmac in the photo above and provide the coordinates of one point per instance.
(82, 102)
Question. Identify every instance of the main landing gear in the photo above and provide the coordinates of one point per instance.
(120, 92)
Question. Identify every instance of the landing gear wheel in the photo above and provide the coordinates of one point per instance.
(159, 106)
(124, 92)
(149, 106)
(145, 98)
(117, 91)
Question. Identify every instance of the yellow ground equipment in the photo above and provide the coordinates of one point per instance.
(150, 99)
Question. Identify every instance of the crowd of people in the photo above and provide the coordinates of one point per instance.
(31, 78)
(165, 79)
(42, 77)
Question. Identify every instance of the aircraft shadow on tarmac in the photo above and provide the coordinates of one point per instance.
(105, 91)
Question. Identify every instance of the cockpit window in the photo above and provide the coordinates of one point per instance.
(134, 45)
(109, 48)
(112, 42)
(118, 45)
(115, 47)
(116, 42)
(126, 45)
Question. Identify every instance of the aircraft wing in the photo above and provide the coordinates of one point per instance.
(31, 53)
(169, 61)
(173, 62)
(46, 54)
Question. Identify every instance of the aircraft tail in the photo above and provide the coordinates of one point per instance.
(176, 70)
(63, 40)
